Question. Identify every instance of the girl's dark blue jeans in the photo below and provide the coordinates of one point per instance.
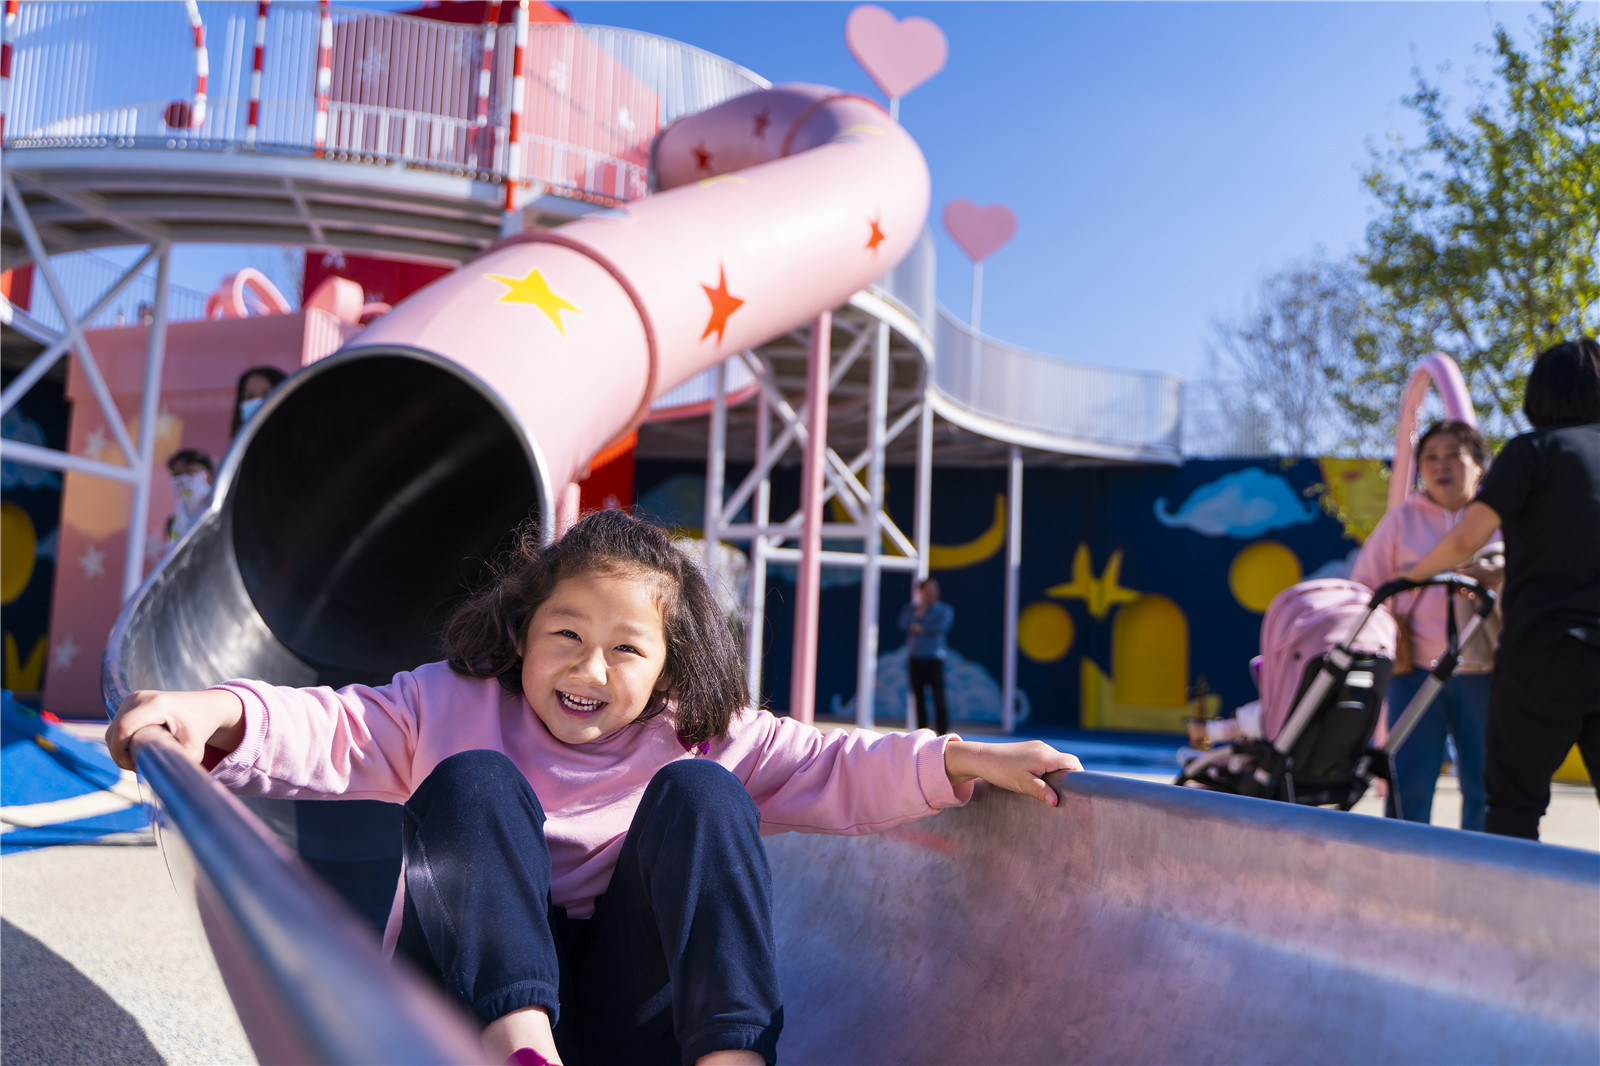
(679, 958)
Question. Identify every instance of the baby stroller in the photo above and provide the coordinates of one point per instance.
(1327, 653)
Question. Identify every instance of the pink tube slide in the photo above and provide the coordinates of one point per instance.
(778, 205)
(1440, 371)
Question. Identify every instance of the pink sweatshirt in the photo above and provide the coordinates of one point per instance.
(381, 743)
(1402, 537)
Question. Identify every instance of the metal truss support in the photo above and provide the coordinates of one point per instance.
(857, 484)
(138, 459)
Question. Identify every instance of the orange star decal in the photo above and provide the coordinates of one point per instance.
(723, 304)
(762, 121)
(702, 158)
(877, 234)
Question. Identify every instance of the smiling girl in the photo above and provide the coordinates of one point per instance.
(585, 788)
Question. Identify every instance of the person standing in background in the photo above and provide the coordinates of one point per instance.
(254, 386)
(1544, 493)
(1451, 459)
(926, 623)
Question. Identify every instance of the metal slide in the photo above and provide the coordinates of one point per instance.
(1133, 923)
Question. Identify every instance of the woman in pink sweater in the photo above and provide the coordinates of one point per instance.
(1451, 457)
(585, 788)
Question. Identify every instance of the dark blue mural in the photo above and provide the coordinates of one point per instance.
(1141, 589)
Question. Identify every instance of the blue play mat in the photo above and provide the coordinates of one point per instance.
(56, 788)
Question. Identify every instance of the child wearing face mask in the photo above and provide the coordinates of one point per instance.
(254, 386)
(191, 471)
(585, 786)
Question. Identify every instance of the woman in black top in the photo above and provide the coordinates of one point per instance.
(1543, 492)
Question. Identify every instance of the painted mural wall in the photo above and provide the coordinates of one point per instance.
(30, 518)
(1142, 589)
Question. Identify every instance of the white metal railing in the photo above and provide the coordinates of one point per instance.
(85, 277)
(1080, 401)
(702, 388)
(87, 73)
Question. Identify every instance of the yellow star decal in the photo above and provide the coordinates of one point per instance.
(533, 289)
(862, 127)
(1099, 593)
(720, 178)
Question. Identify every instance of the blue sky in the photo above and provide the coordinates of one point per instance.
(1161, 158)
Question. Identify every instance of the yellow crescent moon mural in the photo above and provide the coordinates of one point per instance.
(982, 547)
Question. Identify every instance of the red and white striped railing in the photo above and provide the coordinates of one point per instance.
(202, 65)
(571, 109)
(257, 62)
(519, 96)
(6, 49)
(319, 135)
(480, 134)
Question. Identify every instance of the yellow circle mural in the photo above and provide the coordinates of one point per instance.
(1260, 571)
(19, 546)
(1044, 631)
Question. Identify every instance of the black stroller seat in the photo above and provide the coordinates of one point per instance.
(1323, 755)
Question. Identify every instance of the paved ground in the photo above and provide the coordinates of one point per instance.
(102, 963)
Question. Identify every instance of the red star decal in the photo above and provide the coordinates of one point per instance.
(877, 235)
(762, 120)
(702, 158)
(722, 305)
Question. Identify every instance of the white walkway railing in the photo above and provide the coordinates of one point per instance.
(1095, 404)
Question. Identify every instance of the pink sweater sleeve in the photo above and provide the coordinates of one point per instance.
(837, 782)
(356, 742)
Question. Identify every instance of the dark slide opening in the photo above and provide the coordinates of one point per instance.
(365, 506)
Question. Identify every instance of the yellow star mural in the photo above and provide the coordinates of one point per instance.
(1099, 593)
(533, 289)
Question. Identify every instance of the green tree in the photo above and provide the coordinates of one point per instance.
(1280, 371)
(1486, 237)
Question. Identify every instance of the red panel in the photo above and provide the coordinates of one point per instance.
(475, 11)
(610, 481)
(17, 286)
(385, 280)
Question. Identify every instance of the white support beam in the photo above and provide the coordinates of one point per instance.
(149, 409)
(16, 451)
(716, 467)
(755, 619)
(867, 635)
(1008, 684)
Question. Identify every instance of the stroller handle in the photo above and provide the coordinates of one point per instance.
(1482, 595)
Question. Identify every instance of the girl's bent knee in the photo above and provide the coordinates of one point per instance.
(477, 776)
(699, 786)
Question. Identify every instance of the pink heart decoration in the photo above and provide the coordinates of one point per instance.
(898, 54)
(979, 230)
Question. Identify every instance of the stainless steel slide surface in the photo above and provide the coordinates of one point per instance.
(1152, 924)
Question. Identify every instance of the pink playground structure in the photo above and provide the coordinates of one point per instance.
(622, 234)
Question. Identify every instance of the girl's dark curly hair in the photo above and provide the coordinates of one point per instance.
(704, 668)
